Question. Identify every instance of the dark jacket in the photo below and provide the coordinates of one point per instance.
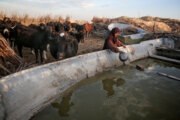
(112, 43)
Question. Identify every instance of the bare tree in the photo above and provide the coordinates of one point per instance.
(47, 18)
(25, 17)
(61, 19)
(68, 18)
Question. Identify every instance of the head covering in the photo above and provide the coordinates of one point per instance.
(115, 30)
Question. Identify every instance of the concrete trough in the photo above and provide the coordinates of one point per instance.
(24, 93)
(135, 36)
(123, 26)
(139, 35)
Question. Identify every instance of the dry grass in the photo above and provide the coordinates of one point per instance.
(100, 20)
(27, 20)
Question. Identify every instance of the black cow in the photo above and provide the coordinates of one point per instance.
(79, 36)
(63, 46)
(10, 36)
(80, 31)
(8, 33)
(79, 28)
(55, 26)
(33, 26)
(36, 39)
(59, 27)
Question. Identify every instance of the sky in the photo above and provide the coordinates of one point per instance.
(86, 9)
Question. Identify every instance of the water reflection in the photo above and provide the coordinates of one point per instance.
(110, 82)
(120, 82)
(64, 106)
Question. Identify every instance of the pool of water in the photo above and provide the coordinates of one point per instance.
(122, 93)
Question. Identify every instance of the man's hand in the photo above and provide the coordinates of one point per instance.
(124, 46)
(121, 52)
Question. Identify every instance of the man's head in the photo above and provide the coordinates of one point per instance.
(115, 31)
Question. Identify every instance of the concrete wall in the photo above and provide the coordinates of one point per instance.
(26, 92)
(2, 112)
(122, 26)
(135, 36)
(140, 34)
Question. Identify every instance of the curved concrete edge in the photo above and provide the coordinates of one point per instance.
(136, 36)
(2, 111)
(139, 35)
(26, 92)
(122, 25)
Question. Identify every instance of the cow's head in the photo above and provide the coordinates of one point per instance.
(9, 32)
(57, 46)
(61, 44)
(59, 27)
(42, 27)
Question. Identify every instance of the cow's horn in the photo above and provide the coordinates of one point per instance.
(13, 27)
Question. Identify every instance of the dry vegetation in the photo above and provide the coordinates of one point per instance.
(152, 24)
(27, 20)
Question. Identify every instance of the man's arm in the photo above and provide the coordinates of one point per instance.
(112, 46)
(119, 43)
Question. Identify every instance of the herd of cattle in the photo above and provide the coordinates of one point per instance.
(61, 39)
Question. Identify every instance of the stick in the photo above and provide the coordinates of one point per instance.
(141, 68)
(169, 76)
(5, 69)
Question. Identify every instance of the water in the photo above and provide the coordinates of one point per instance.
(122, 93)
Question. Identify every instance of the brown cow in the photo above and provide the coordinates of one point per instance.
(89, 28)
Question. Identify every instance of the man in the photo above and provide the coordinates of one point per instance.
(112, 41)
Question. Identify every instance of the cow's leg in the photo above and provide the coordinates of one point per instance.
(20, 50)
(8, 41)
(12, 44)
(44, 54)
(41, 55)
(86, 34)
(82, 41)
(91, 32)
(32, 51)
(36, 53)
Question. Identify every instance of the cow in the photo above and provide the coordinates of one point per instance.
(80, 31)
(56, 27)
(79, 28)
(33, 26)
(7, 30)
(67, 26)
(89, 28)
(8, 33)
(59, 27)
(63, 46)
(78, 36)
(36, 39)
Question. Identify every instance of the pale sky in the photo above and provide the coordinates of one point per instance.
(86, 9)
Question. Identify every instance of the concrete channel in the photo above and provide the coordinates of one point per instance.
(139, 35)
(24, 93)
